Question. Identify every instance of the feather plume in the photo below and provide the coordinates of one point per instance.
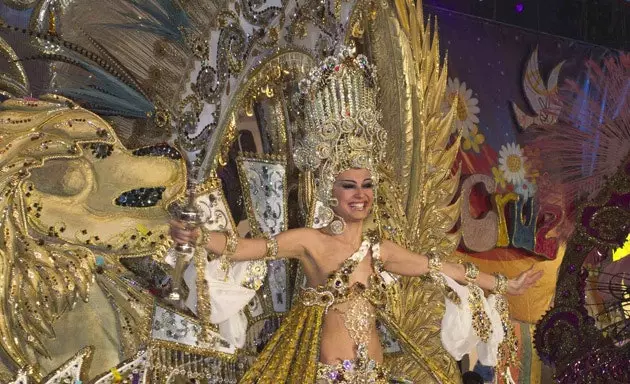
(107, 91)
(102, 92)
(148, 38)
(592, 136)
(162, 18)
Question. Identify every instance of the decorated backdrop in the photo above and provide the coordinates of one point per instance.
(507, 81)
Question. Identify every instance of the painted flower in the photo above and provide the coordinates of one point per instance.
(498, 177)
(525, 189)
(512, 163)
(467, 109)
(473, 140)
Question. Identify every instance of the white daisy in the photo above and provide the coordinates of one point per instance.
(512, 163)
(467, 109)
(526, 189)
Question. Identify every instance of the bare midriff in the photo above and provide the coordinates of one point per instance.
(336, 345)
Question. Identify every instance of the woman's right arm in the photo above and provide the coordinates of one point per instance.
(291, 243)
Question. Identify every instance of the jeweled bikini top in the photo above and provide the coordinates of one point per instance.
(337, 288)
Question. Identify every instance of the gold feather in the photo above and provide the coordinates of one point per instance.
(427, 213)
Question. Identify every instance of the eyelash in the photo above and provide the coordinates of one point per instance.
(352, 186)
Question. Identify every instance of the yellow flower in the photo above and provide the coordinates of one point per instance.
(473, 139)
(512, 163)
(467, 106)
(498, 177)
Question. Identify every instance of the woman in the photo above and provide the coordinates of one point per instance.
(330, 335)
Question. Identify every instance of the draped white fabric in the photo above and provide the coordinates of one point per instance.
(458, 335)
(227, 296)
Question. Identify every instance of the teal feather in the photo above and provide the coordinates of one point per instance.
(159, 17)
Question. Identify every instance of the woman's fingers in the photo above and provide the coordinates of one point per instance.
(177, 224)
(525, 281)
(534, 276)
(181, 234)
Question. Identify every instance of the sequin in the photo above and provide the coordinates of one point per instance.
(160, 150)
(141, 197)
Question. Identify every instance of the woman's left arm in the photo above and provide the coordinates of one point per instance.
(401, 261)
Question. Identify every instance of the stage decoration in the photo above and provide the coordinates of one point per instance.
(526, 189)
(52, 223)
(467, 106)
(133, 370)
(414, 79)
(72, 371)
(542, 98)
(473, 140)
(477, 238)
(512, 163)
(592, 167)
(623, 251)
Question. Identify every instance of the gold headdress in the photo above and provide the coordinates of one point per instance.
(340, 122)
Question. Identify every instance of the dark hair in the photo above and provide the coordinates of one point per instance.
(472, 378)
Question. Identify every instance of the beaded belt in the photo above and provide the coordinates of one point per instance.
(351, 372)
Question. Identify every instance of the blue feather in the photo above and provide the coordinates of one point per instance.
(165, 19)
(102, 103)
(104, 93)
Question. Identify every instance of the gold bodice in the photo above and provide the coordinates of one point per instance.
(338, 289)
(355, 302)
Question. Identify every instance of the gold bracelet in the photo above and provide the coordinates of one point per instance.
(204, 239)
(501, 284)
(271, 252)
(471, 272)
(231, 242)
(435, 264)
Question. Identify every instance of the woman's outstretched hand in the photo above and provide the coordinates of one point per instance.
(523, 282)
(182, 235)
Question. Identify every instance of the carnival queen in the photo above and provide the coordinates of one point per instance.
(330, 334)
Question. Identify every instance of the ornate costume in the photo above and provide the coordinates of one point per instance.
(180, 82)
(341, 131)
(292, 354)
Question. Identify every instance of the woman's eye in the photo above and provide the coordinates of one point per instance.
(347, 186)
(368, 185)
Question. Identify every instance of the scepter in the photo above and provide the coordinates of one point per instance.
(191, 217)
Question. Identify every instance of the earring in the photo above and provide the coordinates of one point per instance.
(333, 202)
(337, 226)
(323, 216)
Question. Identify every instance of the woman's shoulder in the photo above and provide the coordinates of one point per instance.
(308, 232)
(314, 240)
(304, 236)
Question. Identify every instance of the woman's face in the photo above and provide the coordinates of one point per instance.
(353, 189)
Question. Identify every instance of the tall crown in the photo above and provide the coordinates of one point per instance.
(340, 124)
